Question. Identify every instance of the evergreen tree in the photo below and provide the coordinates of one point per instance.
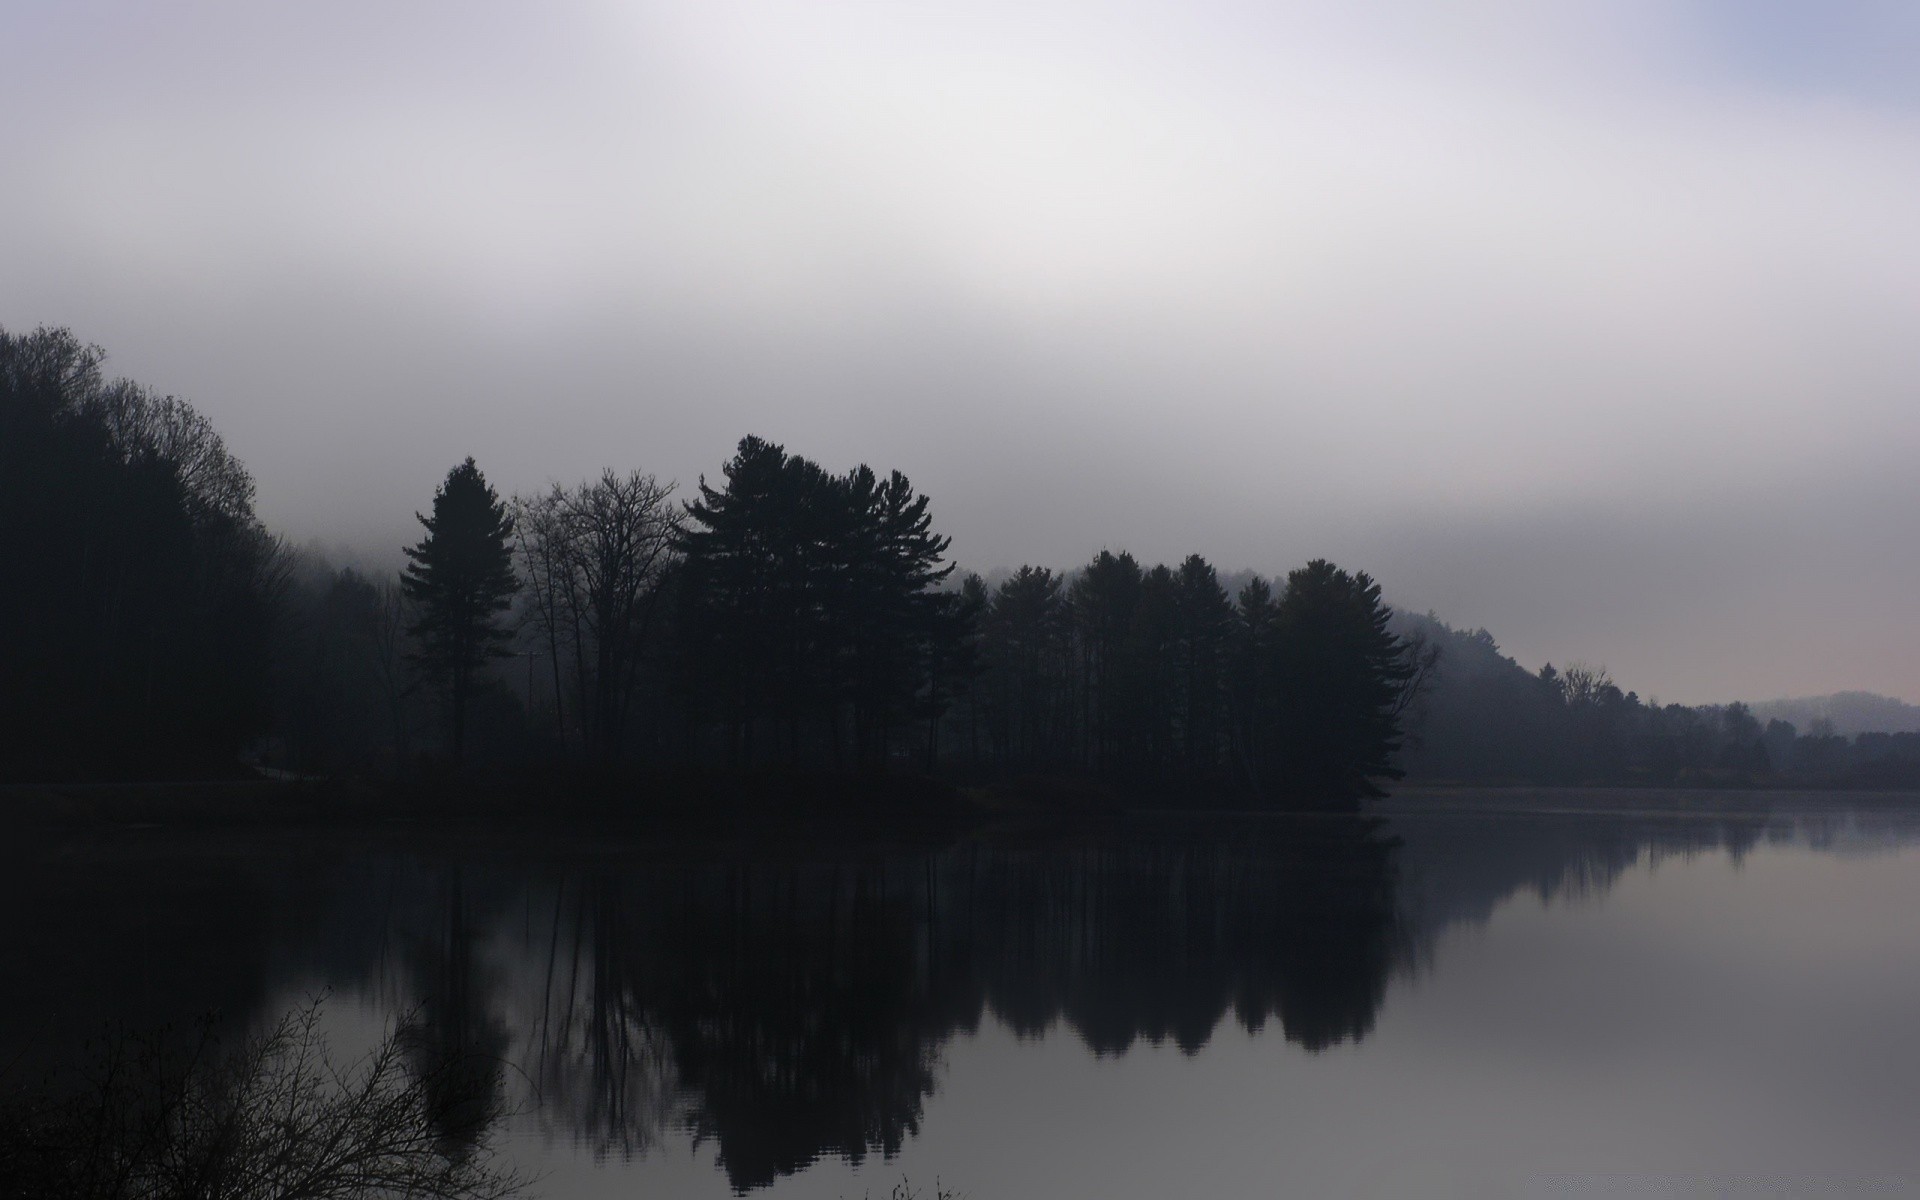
(897, 618)
(1154, 678)
(1206, 621)
(1253, 694)
(813, 599)
(728, 601)
(952, 659)
(1026, 628)
(1103, 599)
(761, 605)
(1341, 675)
(975, 601)
(460, 579)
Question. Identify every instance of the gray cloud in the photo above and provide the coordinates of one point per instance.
(1590, 322)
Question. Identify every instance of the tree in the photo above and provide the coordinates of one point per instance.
(1103, 598)
(812, 601)
(953, 658)
(1252, 690)
(141, 591)
(461, 579)
(1026, 659)
(896, 621)
(279, 1115)
(596, 557)
(1342, 676)
(1205, 619)
(1154, 677)
(752, 617)
(974, 601)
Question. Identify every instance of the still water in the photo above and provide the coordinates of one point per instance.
(1560, 993)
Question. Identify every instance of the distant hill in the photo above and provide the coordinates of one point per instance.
(1851, 713)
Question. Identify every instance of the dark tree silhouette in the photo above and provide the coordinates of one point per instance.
(1253, 688)
(953, 659)
(970, 716)
(1486, 718)
(1205, 620)
(1156, 678)
(1341, 674)
(141, 591)
(154, 628)
(1103, 599)
(894, 617)
(461, 579)
(1025, 659)
(810, 607)
(1156, 682)
(748, 626)
(596, 558)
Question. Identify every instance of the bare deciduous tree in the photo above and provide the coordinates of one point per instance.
(276, 1119)
(142, 422)
(595, 557)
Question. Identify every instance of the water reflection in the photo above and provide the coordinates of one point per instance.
(787, 1010)
(453, 1035)
(783, 1007)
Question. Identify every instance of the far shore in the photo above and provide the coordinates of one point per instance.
(803, 807)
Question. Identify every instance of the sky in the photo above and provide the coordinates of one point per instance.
(1593, 323)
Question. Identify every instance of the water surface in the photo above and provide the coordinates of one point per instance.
(1472, 993)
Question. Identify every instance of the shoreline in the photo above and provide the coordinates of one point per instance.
(798, 811)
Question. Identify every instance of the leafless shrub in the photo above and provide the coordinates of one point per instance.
(275, 1119)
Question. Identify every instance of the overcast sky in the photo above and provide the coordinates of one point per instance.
(1597, 324)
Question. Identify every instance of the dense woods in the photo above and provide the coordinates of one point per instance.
(140, 590)
(1486, 719)
(781, 616)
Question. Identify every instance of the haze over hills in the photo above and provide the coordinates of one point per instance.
(1563, 320)
(1851, 713)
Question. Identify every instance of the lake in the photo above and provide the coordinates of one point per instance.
(1471, 993)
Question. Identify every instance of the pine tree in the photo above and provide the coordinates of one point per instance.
(1205, 623)
(1341, 674)
(460, 579)
(752, 612)
(1025, 667)
(813, 599)
(1103, 599)
(1253, 687)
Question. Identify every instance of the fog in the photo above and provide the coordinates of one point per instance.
(1592, 323)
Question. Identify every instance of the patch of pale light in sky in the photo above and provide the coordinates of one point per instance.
(1588, 322)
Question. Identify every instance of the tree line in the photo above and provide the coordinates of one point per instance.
(790, 615)
(781, 616)
(1486, 719)
(141, 591)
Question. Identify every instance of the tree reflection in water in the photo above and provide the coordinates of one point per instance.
(785, 1011)
(783, 1006)
(453, 1039)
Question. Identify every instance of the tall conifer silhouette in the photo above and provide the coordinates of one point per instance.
(1341, 674)
(812, 606)
(460, 578)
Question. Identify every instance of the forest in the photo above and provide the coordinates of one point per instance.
(781, 617)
